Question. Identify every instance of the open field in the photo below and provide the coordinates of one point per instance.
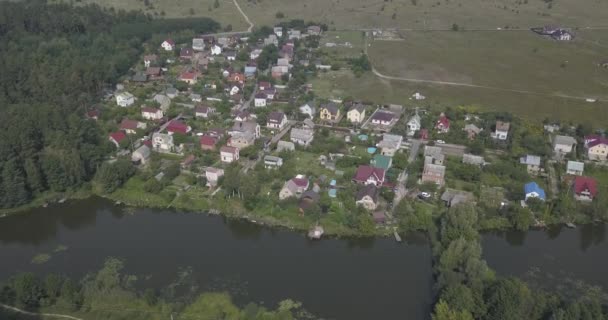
(226, 14)
(343, 83)
(515, 60)
(425, 14)
(355, 39)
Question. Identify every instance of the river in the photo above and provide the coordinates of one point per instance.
(334, 278)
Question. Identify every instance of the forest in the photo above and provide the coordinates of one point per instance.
(56, 60)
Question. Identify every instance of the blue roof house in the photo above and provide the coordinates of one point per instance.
(532, 190)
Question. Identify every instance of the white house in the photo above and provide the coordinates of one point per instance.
(271, 162)
(502, 130)
(216, 50)
(302, 137)
(213, 176)
(308, 109)
(575, 168)
(413, 125)
(234, 90)
(162, 142)
(125, 99)
(255, 53)
(229, 154)
(198, 44)
(168, 45)
(390, 144)
(259, 100)
(356, 114)
(149, 113)
(563, 144)
(141, 155)
(278, 31)
(276, 120)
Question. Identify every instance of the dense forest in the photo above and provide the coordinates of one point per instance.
(56, 59)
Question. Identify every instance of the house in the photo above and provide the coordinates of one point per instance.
(234, 90)
(502, 130)
(271, 40)
(264, 85)
(329, 112)
(308, 124)
(125, 99)
(597, 148)
(216, 50)
(250, 71)
(230, 55)
(313, 30)
(235, 77)
(204, 111)
(198, 44)
(213, 176)
(255, 53)
(229, 154)
(131, 126)
(443, 124)
(308, 109)
(575, 168)
(278, 31)
(139, 77)
(390, 144)
(381, 161)
(242, 140)
(308, 200)
(473, 159)
(471, 130)
(245, 115)
(195, 97)
(434, 155)
(452, 197)
(294, 34)
(279, 71)
(563, 144)
(141, 155)
(162, 142)
(585, 188)
(276, 120)
(187, 162)
(284, 62)
(189, 77)
(271, 162)
(294, 187)
(379, 217)
(367, 197)
(532, 163)
(186, 53)
(302, 137)
(259, 100)
(562, 35)
(168, 45)
(245, 126)
(414, 124)
(533, 190)
(383, 118)
(433, 173)
(154, 73)
(117, 137)
(369, 175)
(150, 113)
(285, 146)
(150, 60)
(92, 114)
(356, 114)
(208, 142)
(171, 92)
(163, 101)
(176, 126)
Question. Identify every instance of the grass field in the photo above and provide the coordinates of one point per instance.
(518, 60)
(424, 14)
(343, 84)
(226, 13)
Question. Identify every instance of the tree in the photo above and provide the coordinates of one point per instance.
(112, 176)
(14, 190)
(279, 15)
(28, 290)
(212, 306)
(509, 299)
(444, 312)
(455, 27)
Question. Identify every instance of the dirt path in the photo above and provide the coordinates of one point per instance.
(251, 25)
(462, 84)
(53, 315)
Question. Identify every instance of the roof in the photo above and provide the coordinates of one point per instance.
(285, 145)
(331, 107)
(435, 168)
(582, 184)
(143, 150)
(260, 95)
(245, 126)
(383, 116)
(208, 141)
(390, 141)
(502, 126)
(357, 106)
(150, 110)
(184, 52)
(272, 158)
(300, 181)
(368, 190)
(454, 197)
(309, 123)
(443, 122)
(301, 133)
(127, 124)
(472, 128)
(534, 187)
(177, 126)
(118, 136)
(170, 41)
(575, 165)
(276, 116)
(227, 149)
(202, 109)
(564, 140)
(365, 171)
(596, 140)
(153, 71)
(188, 75)
(530, 160)
(381, 161)
(188, 160)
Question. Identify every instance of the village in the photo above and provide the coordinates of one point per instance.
(209, 116)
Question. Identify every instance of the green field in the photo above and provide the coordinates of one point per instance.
(425, 14)
(225, 14)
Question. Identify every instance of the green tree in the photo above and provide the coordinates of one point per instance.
(444, 312)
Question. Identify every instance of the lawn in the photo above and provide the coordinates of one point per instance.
(342, 84)
(354, 38)
(225, 14)
(513, 60)
(469, 14)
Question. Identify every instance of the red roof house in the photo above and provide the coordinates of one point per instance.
(585, 188)
(369, 175)
(117, 137)
(443, 124)
(208, 142)
(189, 77)
(176, 126)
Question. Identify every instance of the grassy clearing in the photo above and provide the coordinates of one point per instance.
(471, 14)
(355, 38)
(370, 88)
(518, 60)
(226, 13)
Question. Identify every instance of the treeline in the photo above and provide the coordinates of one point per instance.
(468, 289)
(110, 294)
(55, 61)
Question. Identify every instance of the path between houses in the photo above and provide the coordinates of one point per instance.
(53, 315)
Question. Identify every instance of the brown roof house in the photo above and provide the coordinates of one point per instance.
(433, 173)
(367, 197)
(294, 187)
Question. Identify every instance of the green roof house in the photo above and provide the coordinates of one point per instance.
(381, 161)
